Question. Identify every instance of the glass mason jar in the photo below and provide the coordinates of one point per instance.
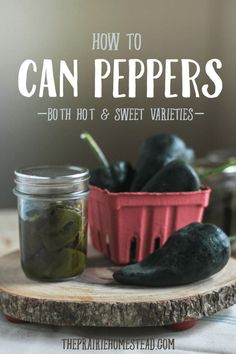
(52, 208)
(222, 207)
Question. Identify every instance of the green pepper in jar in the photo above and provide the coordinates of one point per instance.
(65, 263)
(53, 242)
(61, 228)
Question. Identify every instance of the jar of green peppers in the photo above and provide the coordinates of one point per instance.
(52, 208)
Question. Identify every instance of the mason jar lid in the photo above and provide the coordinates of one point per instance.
(51, 180)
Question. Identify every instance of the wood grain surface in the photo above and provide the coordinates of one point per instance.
(95, 299)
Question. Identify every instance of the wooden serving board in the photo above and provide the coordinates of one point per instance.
(95, 299)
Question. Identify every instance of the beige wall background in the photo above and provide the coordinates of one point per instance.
(62, 29)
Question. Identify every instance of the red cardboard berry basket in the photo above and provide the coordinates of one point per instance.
(127, 227)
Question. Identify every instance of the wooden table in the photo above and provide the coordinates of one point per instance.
(214, 334)
(95, 291)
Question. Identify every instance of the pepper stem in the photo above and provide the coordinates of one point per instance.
(96, 149)
(218, 169)
(232, 238)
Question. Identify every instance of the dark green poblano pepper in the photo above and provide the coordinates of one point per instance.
(116, 177)
(192, 253)
(179, 176)
(156, 152)
(176, 176)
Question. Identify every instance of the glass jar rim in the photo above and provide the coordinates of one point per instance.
(51, 180)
